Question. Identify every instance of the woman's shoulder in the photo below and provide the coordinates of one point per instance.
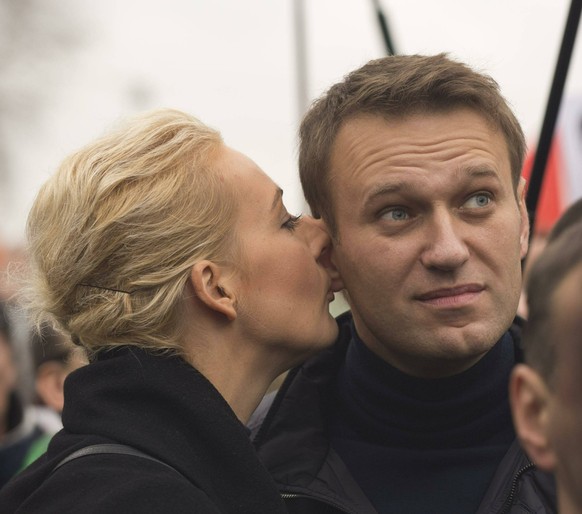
(113, 483)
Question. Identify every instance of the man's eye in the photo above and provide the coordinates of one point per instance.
(478, 200)
(395, 214)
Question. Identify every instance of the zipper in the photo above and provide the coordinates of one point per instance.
(291, 496)
(513, 490)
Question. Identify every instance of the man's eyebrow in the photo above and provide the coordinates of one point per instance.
(471, 172)
(277, 199)
(386, 189)
(478, 172)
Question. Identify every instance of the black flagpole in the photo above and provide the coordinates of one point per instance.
(384, 28)
(553, 107)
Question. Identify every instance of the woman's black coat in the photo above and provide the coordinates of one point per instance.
(159, 405)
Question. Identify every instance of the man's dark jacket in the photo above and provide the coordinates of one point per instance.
(163, 407)
(293, 443)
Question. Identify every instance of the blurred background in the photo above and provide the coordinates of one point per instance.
(71, 68)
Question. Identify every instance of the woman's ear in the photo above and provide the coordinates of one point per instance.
(530, 401)
(206, 279)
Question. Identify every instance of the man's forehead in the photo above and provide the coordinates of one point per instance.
(370, 151)
(414, 135)
(380, 172)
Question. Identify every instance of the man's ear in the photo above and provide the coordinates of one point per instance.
(206, 279)
(530, 402)
(327, 260)
(524, 226)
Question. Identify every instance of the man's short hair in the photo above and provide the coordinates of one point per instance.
(555, 263)
(397, 86)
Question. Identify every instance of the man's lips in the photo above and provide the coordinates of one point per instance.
(464, 291)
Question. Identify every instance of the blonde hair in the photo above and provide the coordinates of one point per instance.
(114, 233)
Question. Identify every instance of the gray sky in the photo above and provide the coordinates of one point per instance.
(232, 64)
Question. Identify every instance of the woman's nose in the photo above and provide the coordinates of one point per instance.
(320, 243)
(316, 235)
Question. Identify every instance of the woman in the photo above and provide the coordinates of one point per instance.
(171, 259)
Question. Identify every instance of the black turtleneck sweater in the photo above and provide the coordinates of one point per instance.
(422, 445)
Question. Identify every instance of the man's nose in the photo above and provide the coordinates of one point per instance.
(446, 248)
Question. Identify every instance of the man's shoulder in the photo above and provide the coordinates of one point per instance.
(518, 484)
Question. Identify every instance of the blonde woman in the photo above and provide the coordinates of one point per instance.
(171, 259)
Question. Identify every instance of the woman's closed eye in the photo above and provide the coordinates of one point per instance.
(291, 222)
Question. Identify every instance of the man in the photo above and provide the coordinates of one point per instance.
(54, 358)
(571, 215)
(414, 163)
(18, 427)
(546, 394)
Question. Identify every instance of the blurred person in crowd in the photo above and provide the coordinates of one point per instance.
(546, 391)
(54, 358)
(172, 260)
(19, 426)
(4, 258)
(536, 246)
(10, 257)
(414, 162)
(571, 215)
